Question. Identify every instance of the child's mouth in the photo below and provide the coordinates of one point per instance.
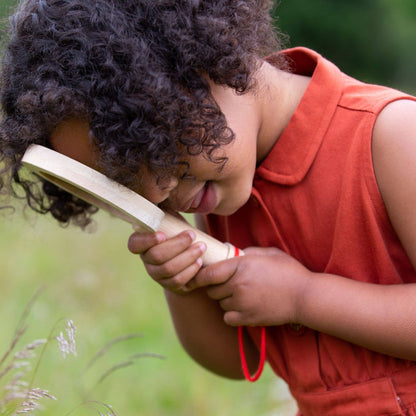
(205, 200)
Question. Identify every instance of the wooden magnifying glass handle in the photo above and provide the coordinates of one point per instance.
(216, 250)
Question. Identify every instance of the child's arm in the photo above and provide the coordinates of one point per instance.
(383, 317)
(379, 317)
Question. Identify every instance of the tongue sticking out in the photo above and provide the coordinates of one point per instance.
(206, 200)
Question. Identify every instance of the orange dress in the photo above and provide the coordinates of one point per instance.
(315, 196)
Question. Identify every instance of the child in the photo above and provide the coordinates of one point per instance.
(307, 170)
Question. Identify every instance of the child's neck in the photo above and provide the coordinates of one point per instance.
(279, 94)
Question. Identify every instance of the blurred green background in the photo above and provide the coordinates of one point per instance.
(372, 40)
(93, 279)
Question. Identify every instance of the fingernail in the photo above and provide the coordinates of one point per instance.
(192, 235)
(160, 237)
(202, 246)
(199, 262)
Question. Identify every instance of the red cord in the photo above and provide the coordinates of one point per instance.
(247, 374)
(259, 371)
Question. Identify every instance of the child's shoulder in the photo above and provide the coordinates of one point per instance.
(373, 98)
(396, 124)
(394, 155)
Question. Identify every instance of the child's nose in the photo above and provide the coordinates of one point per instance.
(167, 187)
(159, 192)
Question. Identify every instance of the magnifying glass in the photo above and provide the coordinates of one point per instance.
(120, 201)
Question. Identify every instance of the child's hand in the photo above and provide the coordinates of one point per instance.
(264, 287)
(170, 262)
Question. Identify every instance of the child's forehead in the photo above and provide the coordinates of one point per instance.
(71, 138)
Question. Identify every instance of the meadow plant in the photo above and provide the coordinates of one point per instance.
(18, 394)
(67, 345)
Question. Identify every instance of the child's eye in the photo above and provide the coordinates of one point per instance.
(187, 177)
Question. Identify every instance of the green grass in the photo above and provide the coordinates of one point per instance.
(94, 280)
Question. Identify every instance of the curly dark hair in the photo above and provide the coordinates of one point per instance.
(134, 69)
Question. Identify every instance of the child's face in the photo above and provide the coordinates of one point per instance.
(208, 189)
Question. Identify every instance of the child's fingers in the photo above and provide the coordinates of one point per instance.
(168, 249)
(177, 283)
(262, 251)
(215, 274)
(170, 262)
(142, 243)
(220, 292)
(138, 243)
(174, 267)
(235, 318)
